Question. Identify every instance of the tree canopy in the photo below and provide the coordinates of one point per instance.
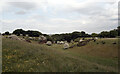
(29, 33)
(67, 36)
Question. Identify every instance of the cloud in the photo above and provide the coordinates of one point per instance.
(21, 12)
(23, 5)
(60, 16)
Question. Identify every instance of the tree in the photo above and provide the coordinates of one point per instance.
(67, 37)
(29, 32)
(88, 35)
(33, 33)
(118, 28)
(7, 33)
(104, 34)
(49, 38)
(83, 34)
(56, 37)
(75, 35)
(18, 32)
(113, 33)
(94, 35)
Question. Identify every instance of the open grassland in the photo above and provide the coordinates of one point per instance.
(19, 56)
(107, 50)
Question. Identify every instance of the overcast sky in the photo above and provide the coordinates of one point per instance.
(59, 16)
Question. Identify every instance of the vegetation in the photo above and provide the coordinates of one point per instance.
(67, 36)
(29, 33)
(96, 56)
(20, 56)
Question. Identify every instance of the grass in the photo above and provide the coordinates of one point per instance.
(107, 50)
(0, 54)
(19, 56)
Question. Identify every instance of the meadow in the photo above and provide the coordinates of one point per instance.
(20, 56)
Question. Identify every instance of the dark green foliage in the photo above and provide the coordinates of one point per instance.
(49, 38)
(77, 39)
(75, 35)
(113, 33)
(62, 37)
(94, 35)
(7, 33)
(83, 34)
(18, 32)
(118, 28)
(33, 33)
(104, 34)
(29, 32)
(68, 36)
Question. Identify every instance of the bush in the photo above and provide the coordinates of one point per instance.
(77, 39)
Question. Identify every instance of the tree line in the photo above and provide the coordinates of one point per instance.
(67, 36)
(30, 33)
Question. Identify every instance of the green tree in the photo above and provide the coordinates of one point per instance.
(7, 33)
(33, 33)
(75, 35)
(118, 28)
(104, 34)
(83, 34)
(94, 35)
(18, 32)
(67, 37)
(113, 33)
(49, 38)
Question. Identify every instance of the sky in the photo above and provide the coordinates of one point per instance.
(59, 16)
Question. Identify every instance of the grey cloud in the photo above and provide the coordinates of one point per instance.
(38, 16)
(91, 9)
(95, 12)
(23, 5)
(115, 19)
(21, 12)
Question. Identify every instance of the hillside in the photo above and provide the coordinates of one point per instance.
(19, 56)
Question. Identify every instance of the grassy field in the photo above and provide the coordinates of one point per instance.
(0, 54)
(19, 56)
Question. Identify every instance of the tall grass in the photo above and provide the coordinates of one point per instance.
(19, 56)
